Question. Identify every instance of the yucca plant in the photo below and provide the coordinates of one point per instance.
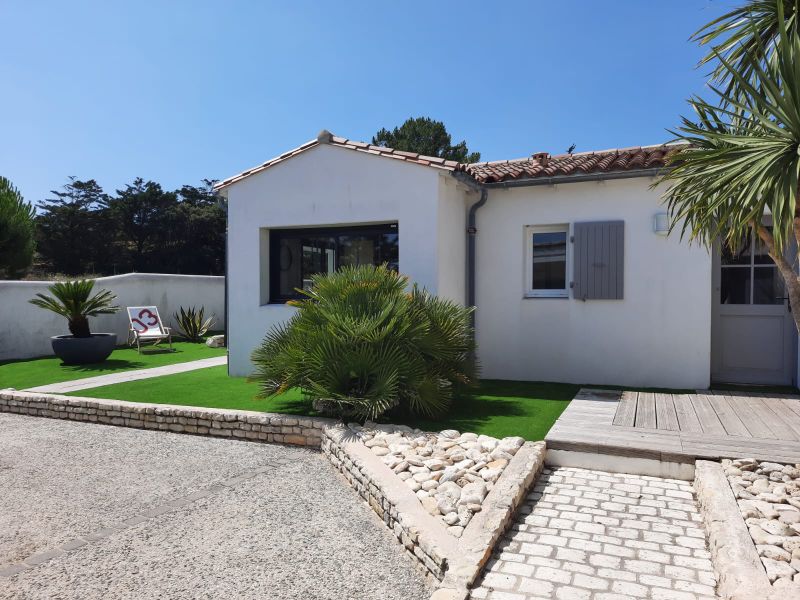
(71, 299)
(741, 160)
(748, 31)
(364, 344)
(192, 324)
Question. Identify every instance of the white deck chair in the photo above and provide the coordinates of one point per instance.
(146, 326)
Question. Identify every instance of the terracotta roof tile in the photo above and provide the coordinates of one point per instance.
(605, 161)
(537, 166)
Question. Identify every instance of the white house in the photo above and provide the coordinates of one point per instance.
(565, 257)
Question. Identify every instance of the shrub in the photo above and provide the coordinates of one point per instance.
(192, 324)
(71, 300)
(16, 231)
(364, 344)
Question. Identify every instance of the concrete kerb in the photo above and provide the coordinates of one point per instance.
(741, 574)
(488, 526)
(454, 563)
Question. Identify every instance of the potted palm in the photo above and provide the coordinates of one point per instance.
(71, 299)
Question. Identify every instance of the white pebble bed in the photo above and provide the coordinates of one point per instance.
(450, 472)
(768, 495)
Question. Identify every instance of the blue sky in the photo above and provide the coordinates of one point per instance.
(179, 91)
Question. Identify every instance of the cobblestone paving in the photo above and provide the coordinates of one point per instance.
(592, 535)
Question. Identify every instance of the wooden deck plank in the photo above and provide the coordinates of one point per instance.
(587, 426)
(791, 418)
(728, 416)
(626, 410)
(687, 417)
(646, 410)
(793, 404)
(666, 417)
(774, 418)
(750, 416)
(709, 420)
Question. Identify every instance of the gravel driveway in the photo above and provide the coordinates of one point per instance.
(160, 515)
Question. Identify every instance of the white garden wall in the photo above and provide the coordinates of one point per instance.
(659, 335)
(25, 329)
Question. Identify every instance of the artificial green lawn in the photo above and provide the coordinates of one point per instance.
(496, 408)
(22, 374)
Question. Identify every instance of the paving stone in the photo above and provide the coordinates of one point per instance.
(592, 535)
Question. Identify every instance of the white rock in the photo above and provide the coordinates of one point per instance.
(435, 464)
(777, 528)
(774, 553)
(769, 467)
(401, 466)
(464, 516)
(422, 477)
(491, 474)
(473, 493)
(776, 569)
(215, 341)
(451, 518)
(451, 474)
(399, 448)
(414, 485)
(421, 494)
(446, 506)
(429, 504)
(450, 434)
(498, 454)
(391, 461)
(487, 443)
(380, 450)
(450, 490)
(429, 485)
(405, 475)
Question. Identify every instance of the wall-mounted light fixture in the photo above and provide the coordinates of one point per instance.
(661, 223)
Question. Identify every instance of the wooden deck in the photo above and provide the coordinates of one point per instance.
(681, 427)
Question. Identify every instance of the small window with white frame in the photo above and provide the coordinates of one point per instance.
(547, 249)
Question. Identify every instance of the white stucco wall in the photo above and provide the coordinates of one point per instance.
(658, 336)
(327, 186)
(25, 329)
(451, 235)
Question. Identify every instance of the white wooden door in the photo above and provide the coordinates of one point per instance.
(753, 336)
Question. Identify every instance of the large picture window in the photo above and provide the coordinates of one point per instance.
(297, 254)
(547, 248)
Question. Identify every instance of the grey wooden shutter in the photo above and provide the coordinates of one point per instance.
(598, 259)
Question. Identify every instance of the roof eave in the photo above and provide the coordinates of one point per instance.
(574, 178)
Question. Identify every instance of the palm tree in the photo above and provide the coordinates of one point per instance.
(747, 31)
(73, 302)
(742, 158)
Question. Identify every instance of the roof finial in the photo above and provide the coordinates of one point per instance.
(324, 137)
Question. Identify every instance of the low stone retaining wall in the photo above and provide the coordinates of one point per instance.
(394, 502)
(740, 571)
(455, 563)
(238, 424)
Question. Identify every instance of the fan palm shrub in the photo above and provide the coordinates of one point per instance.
(741, 160)
(71, 299)
(192, 324)
(364, 344)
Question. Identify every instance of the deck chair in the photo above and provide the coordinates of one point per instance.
(146, 326)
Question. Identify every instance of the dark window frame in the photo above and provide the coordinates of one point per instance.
(336, 232)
